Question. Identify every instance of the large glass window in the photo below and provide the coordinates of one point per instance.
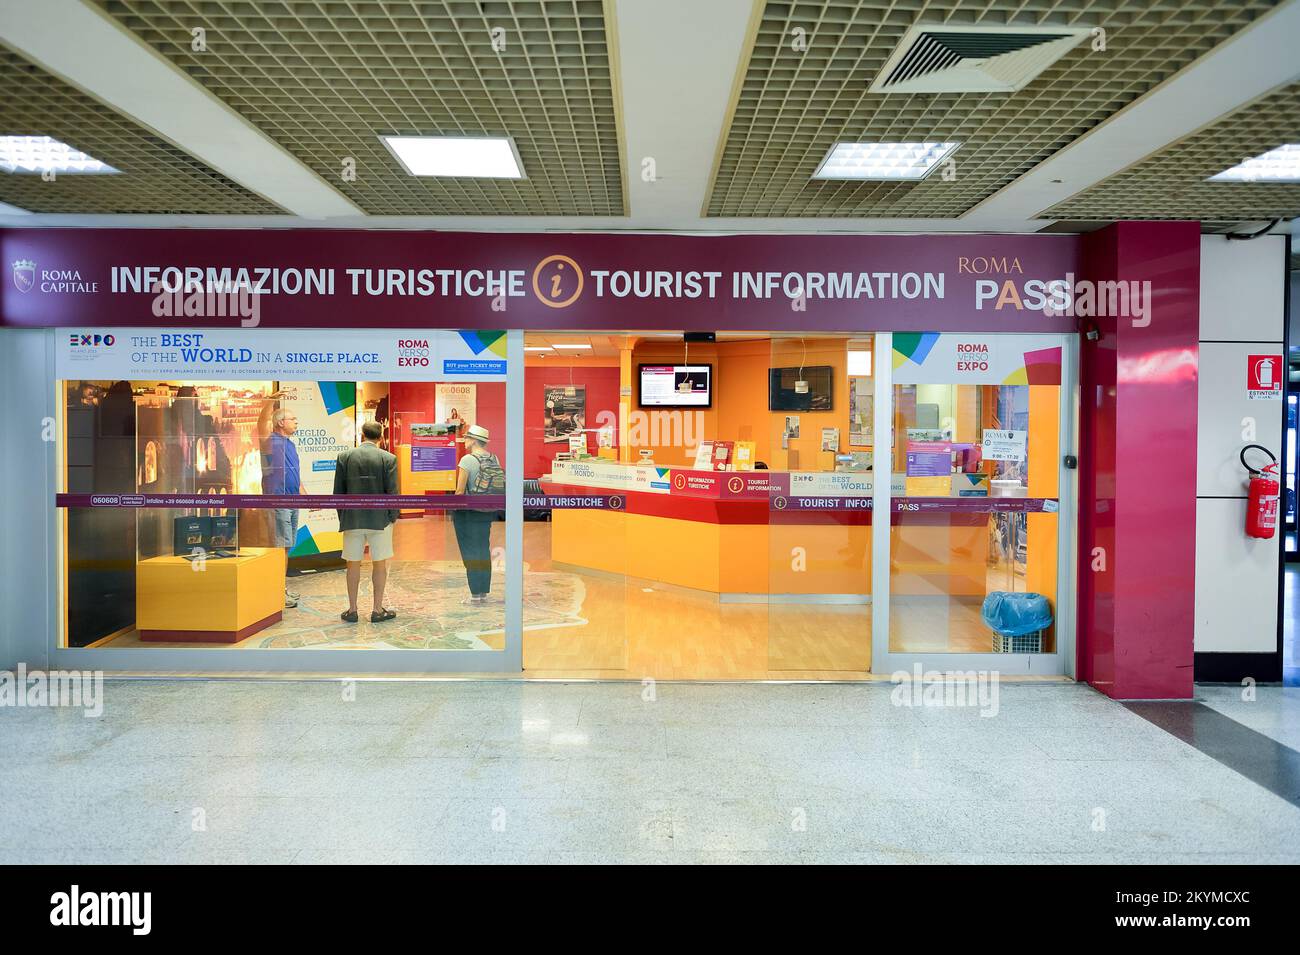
(289, 577)
(693, 508)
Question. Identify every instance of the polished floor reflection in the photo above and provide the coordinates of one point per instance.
(583, 623)
(242, 771)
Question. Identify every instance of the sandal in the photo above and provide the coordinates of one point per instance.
(349, 616)
(380, 617)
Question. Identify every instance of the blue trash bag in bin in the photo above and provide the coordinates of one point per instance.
(1014, 615)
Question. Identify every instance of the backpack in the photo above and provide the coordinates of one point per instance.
(491, 477)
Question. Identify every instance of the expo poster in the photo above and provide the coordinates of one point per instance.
(922, 358)
(217, 354)
(326, 413)
(566, 412)
(456, 404)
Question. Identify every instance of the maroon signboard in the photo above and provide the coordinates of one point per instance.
(308, 278)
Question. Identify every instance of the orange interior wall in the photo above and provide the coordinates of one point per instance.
(668, 451)
(740, 399)
(966, 410)
(1044, 440)
(787, 353)
(1044, 481)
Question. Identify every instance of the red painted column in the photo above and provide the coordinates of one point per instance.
(1137, 460)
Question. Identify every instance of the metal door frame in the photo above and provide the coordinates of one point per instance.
(1062, 660)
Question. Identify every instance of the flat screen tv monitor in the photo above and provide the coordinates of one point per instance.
(782, 396)
(676, 386)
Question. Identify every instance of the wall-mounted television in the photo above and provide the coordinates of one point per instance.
(676, 386)
(782, 396)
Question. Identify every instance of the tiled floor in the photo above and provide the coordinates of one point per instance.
(1275, 713)
(190, 772)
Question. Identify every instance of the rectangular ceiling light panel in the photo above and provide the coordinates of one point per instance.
(1276, 165)
(464, 157)
(889, 161)
(38, 154)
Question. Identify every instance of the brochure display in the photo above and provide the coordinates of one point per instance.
(862, 409)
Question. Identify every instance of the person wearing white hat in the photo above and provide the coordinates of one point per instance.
(479, 472)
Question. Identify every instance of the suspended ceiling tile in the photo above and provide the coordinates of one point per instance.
(793, 105)
(153, 176)
(1172, 183)
(325, 79)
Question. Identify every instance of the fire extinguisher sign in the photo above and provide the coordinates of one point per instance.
(1263, 377)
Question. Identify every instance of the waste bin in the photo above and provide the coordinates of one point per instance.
(1017, 621)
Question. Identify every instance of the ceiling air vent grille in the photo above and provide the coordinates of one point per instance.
(973, 59)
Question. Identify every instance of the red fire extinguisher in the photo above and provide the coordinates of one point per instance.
(1261, 505)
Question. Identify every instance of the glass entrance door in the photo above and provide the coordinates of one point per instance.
(979, 532)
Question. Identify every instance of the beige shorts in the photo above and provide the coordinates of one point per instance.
(381, 543)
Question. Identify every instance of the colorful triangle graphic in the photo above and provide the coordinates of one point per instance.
(480, 341)
(338, 395)
(913, 346)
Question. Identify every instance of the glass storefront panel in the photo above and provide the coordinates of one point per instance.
(714, 522)
(704, 571)
(974, 535)
(579, 593)
(656, 553)
(449, 562)
(817, 396)
(244, 575)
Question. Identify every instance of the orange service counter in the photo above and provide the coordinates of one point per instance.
(739, 533)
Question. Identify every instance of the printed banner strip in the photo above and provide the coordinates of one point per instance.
(919, 505)
(496, 502)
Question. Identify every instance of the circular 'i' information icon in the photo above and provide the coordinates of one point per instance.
(557, 281)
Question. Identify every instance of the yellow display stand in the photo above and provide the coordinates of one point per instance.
(230, 599)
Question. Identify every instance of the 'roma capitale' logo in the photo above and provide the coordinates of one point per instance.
(24, 275)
